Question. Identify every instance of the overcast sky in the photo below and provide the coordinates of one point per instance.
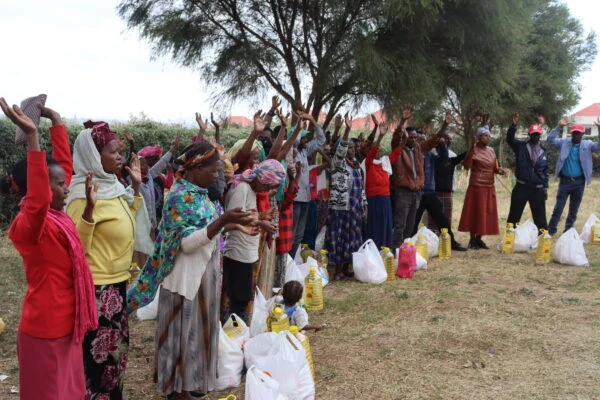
(80, 54)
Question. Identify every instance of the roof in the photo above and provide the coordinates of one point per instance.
(241, 121)
(589, 111)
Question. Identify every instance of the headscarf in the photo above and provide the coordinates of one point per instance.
(101, 133)
(187, 209)
(151, 151)
(483, 130)
(187, 162)
(86, 317)
(87, 158)
(257, 145)
(268, 172)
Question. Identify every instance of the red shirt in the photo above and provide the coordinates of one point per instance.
(49, 303)
(285, 240)
(378, 181)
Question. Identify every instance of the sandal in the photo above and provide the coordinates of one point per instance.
(340, 276)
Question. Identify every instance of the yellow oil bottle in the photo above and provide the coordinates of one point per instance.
(323, 258)
(389, 261)
(595, 234)
(508, 241)
(278, 320)
(234, 329)
(445, 246)
(422, 247)
(544, 248)
(313, 288)
(303, 339)
(306, 252)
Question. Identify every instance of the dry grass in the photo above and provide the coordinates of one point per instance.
(479, 326)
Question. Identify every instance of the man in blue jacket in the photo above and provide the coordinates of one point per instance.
(532, 175)
(574, 169)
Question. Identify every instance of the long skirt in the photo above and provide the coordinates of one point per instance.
(379, 221)
(106, 349)
(50, 369)
(187, 336)
(344, 228)
(480, 211)
(264, 274)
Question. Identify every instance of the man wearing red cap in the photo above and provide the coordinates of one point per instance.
(532, 175)
(574, 168)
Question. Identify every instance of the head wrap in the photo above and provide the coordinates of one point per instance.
(151, 151)
(268, 172)
(86, 157)
(483, 130)
(195, 160)
(101, 133)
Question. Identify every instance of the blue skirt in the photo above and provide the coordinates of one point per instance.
(379, 221)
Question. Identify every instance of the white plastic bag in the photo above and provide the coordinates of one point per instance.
(305, 267)
(260, 312)
(569, 249)
(320, 240)
(421, 262)
(230, 362)
(260, 386)
(258, 347)
(586, 232)
(287, 364)
(293, 273)
(368, 265)
(150, 311)
(526, 236)
(433, 241)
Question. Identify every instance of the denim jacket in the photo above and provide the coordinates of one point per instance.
(564, 146)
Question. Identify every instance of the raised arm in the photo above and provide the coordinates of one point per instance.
(510, 133)
(400, 133)
(202, 126)
(259, 126)
(217, 129)
(319, 139)
(337, 123)
(275, 104)
(61, 150)
(552, 138)
(596, 145)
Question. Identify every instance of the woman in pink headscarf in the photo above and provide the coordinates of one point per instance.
(241, 250)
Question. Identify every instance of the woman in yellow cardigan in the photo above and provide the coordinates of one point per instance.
(108, 234)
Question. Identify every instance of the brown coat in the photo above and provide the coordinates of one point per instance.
(482, 162)
(402, 166)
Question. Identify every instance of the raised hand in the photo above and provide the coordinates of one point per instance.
(348, 121)
(202, 124)
(91, 190)
(135, 173)
(448, 117)
(407, 111)
(515, 118)
(338, 122)
(284, 119)
(129, 137)
(16, 115)
(541, 119)
(374, 119)
(259, 122)
(384, 128)
(275, 103)
(597, 122)
(176, 142)
(564, 121)
(51, 115)
(212, 121)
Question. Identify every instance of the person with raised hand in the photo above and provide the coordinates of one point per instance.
(118, 224)
(377, 188)
(574, 170)
(531, 171)
(480, 211)
(59, 305)
(346, 207)
(186, 260)
(305, 149)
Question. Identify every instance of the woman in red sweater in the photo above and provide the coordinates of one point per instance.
(377, 188)
(59, 305)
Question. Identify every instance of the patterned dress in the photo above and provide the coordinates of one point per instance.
(344, 228)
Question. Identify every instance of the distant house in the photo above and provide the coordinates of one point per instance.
(587, 117)
(241, 121)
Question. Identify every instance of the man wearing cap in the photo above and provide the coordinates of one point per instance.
(574, 169)
(532, 175)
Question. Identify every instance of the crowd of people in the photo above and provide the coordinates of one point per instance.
(227, 223)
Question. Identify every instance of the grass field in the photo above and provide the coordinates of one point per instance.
(479, 326)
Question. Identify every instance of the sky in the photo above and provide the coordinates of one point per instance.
(81, 54)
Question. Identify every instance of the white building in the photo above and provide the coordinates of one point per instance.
(587, 117)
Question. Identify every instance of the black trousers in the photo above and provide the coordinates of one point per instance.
(435, 209)
(237, 284)
(521, 194)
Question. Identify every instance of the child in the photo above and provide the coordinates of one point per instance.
(292, 293)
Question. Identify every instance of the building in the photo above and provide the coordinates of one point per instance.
(587, 117)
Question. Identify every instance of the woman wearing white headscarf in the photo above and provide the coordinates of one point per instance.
(109, 232)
